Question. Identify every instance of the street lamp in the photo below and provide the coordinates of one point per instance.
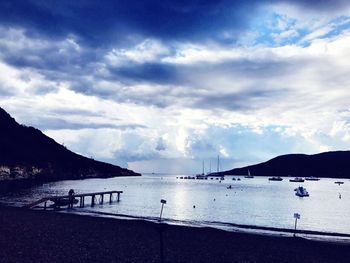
(163, 202)
(296, 216)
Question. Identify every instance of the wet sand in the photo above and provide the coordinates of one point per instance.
(38, 236)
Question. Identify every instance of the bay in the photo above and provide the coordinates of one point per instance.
(256, 201)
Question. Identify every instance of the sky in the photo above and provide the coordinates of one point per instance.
(160, 86)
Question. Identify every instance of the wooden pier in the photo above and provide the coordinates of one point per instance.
(69, 200)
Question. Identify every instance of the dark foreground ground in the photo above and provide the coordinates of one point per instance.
(35, 236)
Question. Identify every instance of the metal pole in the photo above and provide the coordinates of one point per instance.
(161, 212)
(217, 168)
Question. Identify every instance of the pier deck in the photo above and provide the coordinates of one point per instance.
(80, 197)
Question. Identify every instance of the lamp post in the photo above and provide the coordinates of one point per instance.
(163, 202)
(296, 216)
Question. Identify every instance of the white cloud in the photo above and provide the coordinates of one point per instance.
(147, 51)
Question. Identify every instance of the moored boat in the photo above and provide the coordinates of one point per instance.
(275, 178)
(202, 176)
(311, 178)
(297, 180)
(301, 192)
(249, 176)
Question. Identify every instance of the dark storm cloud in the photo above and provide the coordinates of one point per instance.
(186, 84)
(100, 23)
(252, 99)
(148, 72)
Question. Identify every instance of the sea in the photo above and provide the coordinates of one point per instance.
(254, 205)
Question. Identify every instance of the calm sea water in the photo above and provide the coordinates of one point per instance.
(254, 201)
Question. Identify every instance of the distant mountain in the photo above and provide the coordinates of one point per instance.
(26, 154)
(328, 164)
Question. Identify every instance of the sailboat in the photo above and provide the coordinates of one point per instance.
(217, 173)
(249, 175)
(202, 176)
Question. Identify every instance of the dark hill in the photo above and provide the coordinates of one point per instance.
(328, 164)
(28, 154)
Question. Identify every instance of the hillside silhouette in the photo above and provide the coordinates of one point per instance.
(27, 153)
(328, 164)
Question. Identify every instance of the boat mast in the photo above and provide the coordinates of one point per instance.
(203, 167)
(218, 164)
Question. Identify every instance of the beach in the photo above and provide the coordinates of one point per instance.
(43, 236)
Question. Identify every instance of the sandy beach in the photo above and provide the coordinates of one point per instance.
(38, 236)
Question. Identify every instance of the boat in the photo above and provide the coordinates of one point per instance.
(311, 178)
(229, 187)
(297, 180)
(202, 176)
(275, 178)
(301, 192)
(249, 175)
(217, 173)
(339, 182)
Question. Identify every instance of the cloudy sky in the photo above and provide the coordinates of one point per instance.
(159, 86)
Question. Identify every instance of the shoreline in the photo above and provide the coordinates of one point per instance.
(225, 226)
(44, 236)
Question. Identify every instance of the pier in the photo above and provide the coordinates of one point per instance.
(70, 200)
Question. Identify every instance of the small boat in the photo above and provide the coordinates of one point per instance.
(311, 178)
(249, 176)
(229, 187)
(275, 178)
(297, 180)
(339, 182)
(181, 177)
(301, 192)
